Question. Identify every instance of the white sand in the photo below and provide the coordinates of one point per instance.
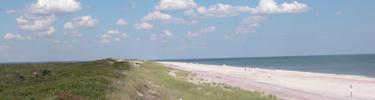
(286, 84)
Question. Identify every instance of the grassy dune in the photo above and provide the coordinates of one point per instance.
(154, 81)
(108, 79)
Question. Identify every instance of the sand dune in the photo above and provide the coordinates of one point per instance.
(286, 84)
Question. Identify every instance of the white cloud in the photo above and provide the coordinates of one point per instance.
(198, 34)
(117, 39)
(81, 22)
(265, 7)
(53, 7)
(35, 24)
(337, 13)
(226, 36)
(167, 33)
(153, 37)
(10, 11)
(47, 32)
(73, 41)
(4, 47)
(113, 32)
(105, 36)
(217, 11)
(133, 4)
(105, 41)
(251, 28)
(163, 18)
(74, 33)
(271, 7)
(209, 29)
(38, 18)
(253, 19)
(138, 39)
(190, 34)
(193, 22)
(124, 35)
(10, 36)
(143, 25)
(121, 22)
(252, 24)
(173, 5)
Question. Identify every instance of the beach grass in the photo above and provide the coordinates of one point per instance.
(154, 81)
(109, 79)
(91, 80)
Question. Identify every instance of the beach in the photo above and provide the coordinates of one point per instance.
(285, 84)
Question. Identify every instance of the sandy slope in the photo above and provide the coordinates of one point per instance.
(286, 84)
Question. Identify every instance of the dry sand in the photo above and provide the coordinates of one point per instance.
(286, 84)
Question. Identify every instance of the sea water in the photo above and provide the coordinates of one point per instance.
(359, 65)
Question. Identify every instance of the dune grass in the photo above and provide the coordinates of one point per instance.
(153, 81)
(91, 80)
(109, 79)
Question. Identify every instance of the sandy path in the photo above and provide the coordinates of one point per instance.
(286, 84)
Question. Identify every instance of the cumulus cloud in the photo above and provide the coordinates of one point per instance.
(42, 26)
(38, 18)
(217, 11)
(10, 11)
(133, 4)
(4, 47)
(36, 24)
(153, 37)
(271, 7)
(190, 34)
(113, 32)
(48, 32)
(124, 35)
(10, 36)
(209, 29)
(166, 33)
(198, 34)
(163, 18)
(121, 22)
(251, 28)
(173, 5)
(193, 22)
(105, 36)
(265, 7)
(81, 22)
(253, 19)
(74, 33)
(105, 41)
(143, 26)
(226, 36)
(53, 7)
(117, 39)
(252, 23)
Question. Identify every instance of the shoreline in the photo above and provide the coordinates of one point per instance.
(295, 85)
(363, 76)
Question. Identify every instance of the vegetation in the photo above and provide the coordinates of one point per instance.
(59, 80)
(154, 81)
(109, 79)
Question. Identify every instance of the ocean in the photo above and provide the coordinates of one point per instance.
(359, 65)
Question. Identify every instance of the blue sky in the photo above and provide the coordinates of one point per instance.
(71, 30)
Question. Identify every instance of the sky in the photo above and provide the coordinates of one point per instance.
(82, 30)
